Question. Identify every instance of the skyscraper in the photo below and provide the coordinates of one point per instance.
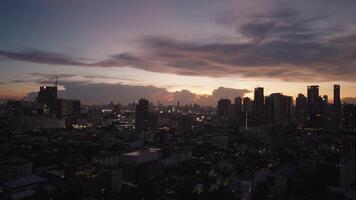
(141, 116)
(47, 96)
(259, 103)
(313, 100)
(337, 106)
(278, 108)
(337, 100)
(223, 107)
(301, 109)
(238, 104)
(247, 105)
(238, 111)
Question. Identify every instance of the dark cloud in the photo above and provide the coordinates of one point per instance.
(43, 57)
(129, 93)
(284, 45)
(97, 93)
(63, 78)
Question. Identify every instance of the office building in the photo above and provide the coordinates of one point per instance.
(68, 108)
(141, 116)
(259, 104)
(313, 101)
(337, 100)
(301, 108)
(278, 108)
(247, 105)
(238, 104)
(223, 107)
(47, 97)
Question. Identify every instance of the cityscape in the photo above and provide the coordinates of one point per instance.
(178, 100)
(268, 147)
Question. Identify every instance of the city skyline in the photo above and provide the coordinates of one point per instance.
(169, 50)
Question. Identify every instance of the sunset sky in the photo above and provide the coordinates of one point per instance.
(169, 50)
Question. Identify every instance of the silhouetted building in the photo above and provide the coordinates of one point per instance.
(141, 116)
(223, 107)
(313, 101)
(278, 108)
(247, 105)
(301, 109)
(47, 96)
(259, 104)
(337, 106)
(68, 108)
(238, 111)
(337, 100)
(238, 104)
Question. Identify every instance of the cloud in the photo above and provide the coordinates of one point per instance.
(281, 45)
(66, 78)
(43, 57)
(98, 93)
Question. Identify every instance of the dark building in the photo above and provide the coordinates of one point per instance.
(141, 116)
(313, 101)
(223, 107)
(337, 100)
(278, 108)
(247, 105)
(152, 121)
(238, 104)
(259, 104)
(68, 108)
(289, 108)
(47, 96)
(184, 124)
(337, 111)
(301, 109)
(238, 111)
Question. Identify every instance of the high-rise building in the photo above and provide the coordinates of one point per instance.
(259, 104)
(337, 100)
(238, 104)
(337, 107)
(313, 100)
(47, 97)
(247, 105)
(141, 116)
(238, 111)
(223, 107)
(278, 108)
(288, 103)
(68, 108)
(301, 109)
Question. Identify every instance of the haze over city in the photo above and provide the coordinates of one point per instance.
(168, 51)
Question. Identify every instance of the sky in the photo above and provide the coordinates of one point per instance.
(170, 50)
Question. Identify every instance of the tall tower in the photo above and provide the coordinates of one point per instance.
(223, 107)
(247, 105)
(238, 110)
(238, 104)
(337, 100)
(301, 109)
(313, 100)
(259, 103)
(47, 97)
(141, 116)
